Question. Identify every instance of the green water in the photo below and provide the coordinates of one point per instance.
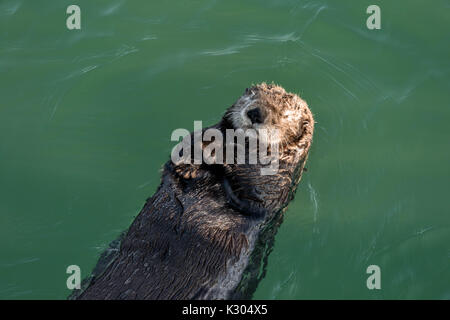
(86, 117)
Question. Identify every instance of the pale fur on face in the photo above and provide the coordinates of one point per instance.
(282, 112)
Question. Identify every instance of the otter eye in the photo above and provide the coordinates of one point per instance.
(255, 115)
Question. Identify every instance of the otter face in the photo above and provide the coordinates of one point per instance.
(270, 107)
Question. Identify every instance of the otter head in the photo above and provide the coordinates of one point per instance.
(270, 107)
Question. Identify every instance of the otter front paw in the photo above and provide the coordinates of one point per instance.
(246, 207)
(187, 171)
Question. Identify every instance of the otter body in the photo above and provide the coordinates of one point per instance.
(208, 229)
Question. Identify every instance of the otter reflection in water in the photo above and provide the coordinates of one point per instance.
(207, 231)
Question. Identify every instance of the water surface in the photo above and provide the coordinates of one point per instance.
(86, 117)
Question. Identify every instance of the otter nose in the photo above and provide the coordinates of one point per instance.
(255, 115)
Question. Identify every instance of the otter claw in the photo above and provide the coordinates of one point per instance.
(186, 172)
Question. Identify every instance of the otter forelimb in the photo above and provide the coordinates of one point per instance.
(243, 206)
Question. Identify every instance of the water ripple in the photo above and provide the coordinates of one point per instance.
(226, 51)
(112, 8)
(272, 38)
(20, 262)
(9, 9)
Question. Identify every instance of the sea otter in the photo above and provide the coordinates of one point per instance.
(208, 229)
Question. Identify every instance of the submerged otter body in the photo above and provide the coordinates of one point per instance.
(208, 229)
